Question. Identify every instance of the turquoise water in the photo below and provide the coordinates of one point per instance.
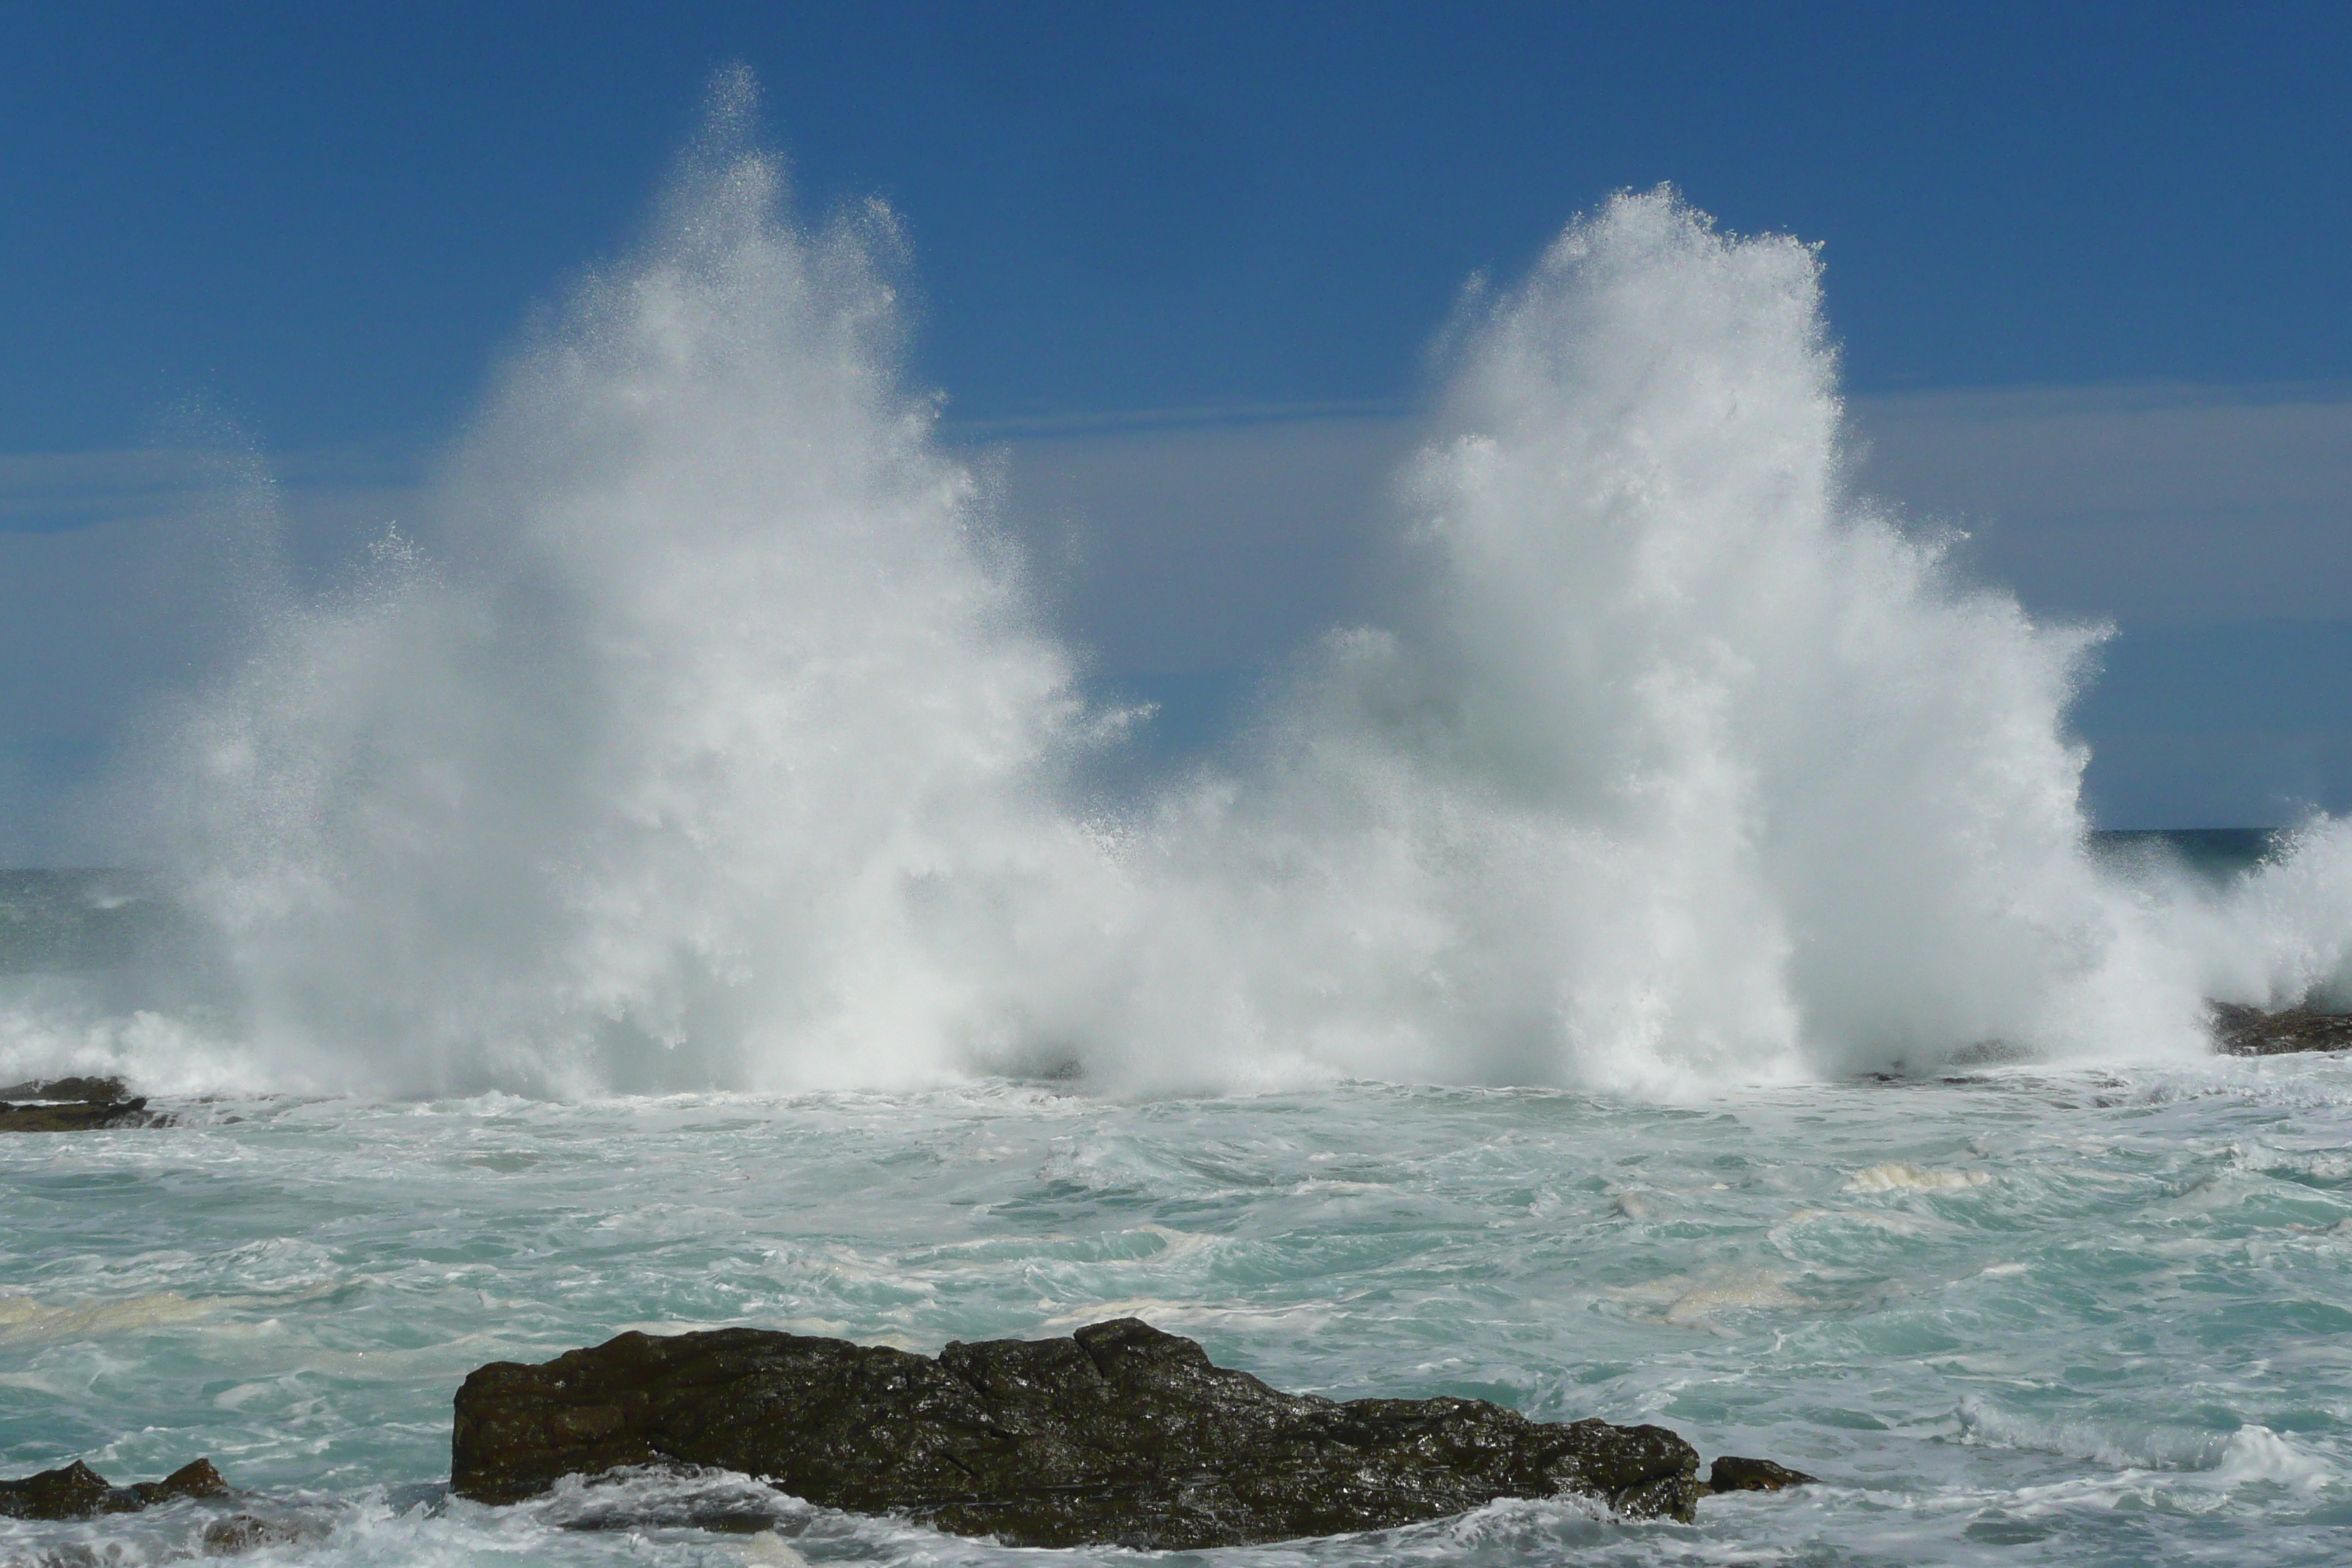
(2014, 1318)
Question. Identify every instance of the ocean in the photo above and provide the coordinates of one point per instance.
(2013, 1317)
(1657, 966)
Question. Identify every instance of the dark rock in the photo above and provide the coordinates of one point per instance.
(73, 1105)
(1731, 1474)
(195, 1478)
(77, 1492)
(77, 1118)
(1119, 1434)
(248, 1531)
(2242, 1031)
(724, 1517)
(88, 1091)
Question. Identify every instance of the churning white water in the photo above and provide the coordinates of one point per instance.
(714, 737)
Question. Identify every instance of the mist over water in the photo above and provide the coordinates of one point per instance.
(714, 736)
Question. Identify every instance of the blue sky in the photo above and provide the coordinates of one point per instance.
(2088, 263)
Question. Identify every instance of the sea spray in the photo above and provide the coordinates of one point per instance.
(715, 737)
(718, 696)
(1683, 767)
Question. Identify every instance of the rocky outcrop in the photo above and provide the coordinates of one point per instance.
(73, 1105)
(1732, 1474)
(77, 1492)
(2242, 1031)
(1119, 1434)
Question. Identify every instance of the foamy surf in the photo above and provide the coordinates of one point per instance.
(1895, 1176)
(2247, 1455)
(2065, 1364)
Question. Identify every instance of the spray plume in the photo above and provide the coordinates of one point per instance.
(722, 742)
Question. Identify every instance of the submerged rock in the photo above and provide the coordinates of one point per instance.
(77, 1492)
(241, 1532)
(2242, 1031)
(1119, 1435)
(1732, 1474)
(73, 1105)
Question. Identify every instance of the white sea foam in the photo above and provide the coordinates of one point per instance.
(1698, 1300)
(2248, 1454)
(24, 1320)
(2255, 1453)
(713, 736)
(1895, 1176)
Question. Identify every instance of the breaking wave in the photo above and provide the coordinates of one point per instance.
(714, 735)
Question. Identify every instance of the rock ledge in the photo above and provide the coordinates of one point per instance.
(2242, 1031)
(73, 1105)
(77, 1492)
(1119, 1435)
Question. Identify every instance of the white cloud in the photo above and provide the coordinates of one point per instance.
(2153, 506)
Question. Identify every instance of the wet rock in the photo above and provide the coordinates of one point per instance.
(88, 1091)
(73, 1105)
(1732, 1474)
(2242, 1031)
(195, 1478)
(77, 1492)
(1119, 1434)
(721, 1516)
(241, 1532)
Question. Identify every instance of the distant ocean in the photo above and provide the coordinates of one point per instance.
(1662, 972)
